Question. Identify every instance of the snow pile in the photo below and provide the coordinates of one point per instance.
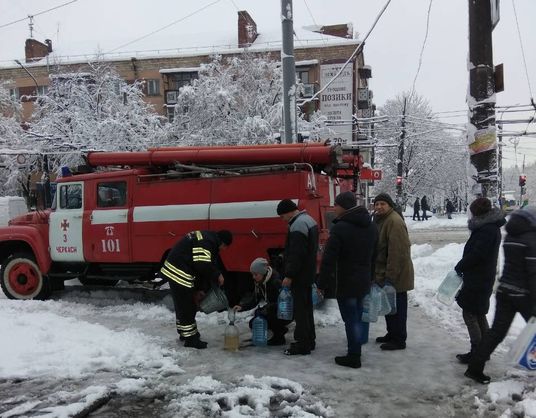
(50, 338)
(266, 396)
(435, 222)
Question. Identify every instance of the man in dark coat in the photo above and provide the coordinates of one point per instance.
(393, 264)
(449, 207)
(416, 209)
(193, 264)
(424, 207)
(347, 267)
(478, 268)
(299, 259)
(517, 287)
(265, 294)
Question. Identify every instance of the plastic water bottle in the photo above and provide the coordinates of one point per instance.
(449, 288)
(285, 304)
(368, 315)
(390, 291)
(231, 340)
(316, 297)
(259, 330)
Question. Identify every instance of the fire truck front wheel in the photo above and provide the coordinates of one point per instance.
(21, 278)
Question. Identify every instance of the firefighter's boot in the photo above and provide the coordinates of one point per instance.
(195, 342)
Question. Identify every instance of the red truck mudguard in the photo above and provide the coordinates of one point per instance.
(18, 237)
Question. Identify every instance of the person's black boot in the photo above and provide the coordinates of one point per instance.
(350, 360)
(277, 340)
(393, 345)
(477, 374)
(385, 339)
(466, 358)
(195, 342)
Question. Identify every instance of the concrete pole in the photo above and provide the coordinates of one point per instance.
(289, 71)
(482, 89)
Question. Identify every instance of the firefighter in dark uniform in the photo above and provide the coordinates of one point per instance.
(191, 265)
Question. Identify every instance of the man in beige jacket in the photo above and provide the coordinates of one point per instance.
(393, 265)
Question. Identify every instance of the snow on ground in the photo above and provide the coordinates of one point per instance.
(116, 354)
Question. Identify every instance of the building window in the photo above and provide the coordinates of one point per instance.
(42, 90)
(170, 110)
(183, 79)
(153, 87)
(303, 76)
(14, 93)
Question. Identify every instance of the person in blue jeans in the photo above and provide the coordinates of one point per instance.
(346, 268)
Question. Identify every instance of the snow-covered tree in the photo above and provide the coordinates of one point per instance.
(95, 109)
(234, 101)
(435, 157)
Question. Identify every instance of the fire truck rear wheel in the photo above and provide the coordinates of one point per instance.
(21, 278)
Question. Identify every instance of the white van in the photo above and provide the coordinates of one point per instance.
(10, 207)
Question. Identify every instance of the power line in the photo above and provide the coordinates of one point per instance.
(523, 53)
(356, 51)
(37, 14)
(166, 26)
(422, 50)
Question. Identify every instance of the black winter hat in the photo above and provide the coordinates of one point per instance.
(286, 206)
(480, 206)
(346, 200)
(384, 197)
(225, 236)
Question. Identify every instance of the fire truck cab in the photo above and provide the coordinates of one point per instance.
(119, 221)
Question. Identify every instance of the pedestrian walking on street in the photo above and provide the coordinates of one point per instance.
(299, 272)
(424, 207)
(193, 264)
(416, 209)
(393, 264)
(517, 287)
(477, 268)
(347, 268)
(449, 207)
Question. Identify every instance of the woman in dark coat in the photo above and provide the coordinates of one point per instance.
(517, 287)
(478, 269)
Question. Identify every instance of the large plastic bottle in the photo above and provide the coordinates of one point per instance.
(259, 329)
(449, 288)
(285, 304)
(368, 314)
(390, 291)
(231, 340)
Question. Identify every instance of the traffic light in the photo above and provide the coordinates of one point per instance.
(399, 180)
(522, 180)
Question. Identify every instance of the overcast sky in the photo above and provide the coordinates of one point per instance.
(88, 26)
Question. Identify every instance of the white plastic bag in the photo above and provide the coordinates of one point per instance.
(523, 352)
(449, 288)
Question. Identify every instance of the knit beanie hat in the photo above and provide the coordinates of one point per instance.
(225, 236)
(286, 206)
(480, 206)
(384, 197)
(259, 265)
(346, 200)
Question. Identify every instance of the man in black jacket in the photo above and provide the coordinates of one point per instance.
(265, 294)
(301, 248)
(347, 267)
(193, 264)
(517, 287)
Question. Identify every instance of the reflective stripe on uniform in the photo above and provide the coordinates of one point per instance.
(177, 278)
(198, 235)
(201, 254)
(178, 272)
(187, 330)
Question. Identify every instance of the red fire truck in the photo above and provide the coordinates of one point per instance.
(118, 220)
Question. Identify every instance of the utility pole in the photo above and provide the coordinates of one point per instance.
(481, 132)
(289, 71)
(400, 164)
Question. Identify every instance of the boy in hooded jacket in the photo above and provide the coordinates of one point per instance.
(517, 287)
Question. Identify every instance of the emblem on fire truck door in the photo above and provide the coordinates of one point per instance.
(64, 226)
(110, 245)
